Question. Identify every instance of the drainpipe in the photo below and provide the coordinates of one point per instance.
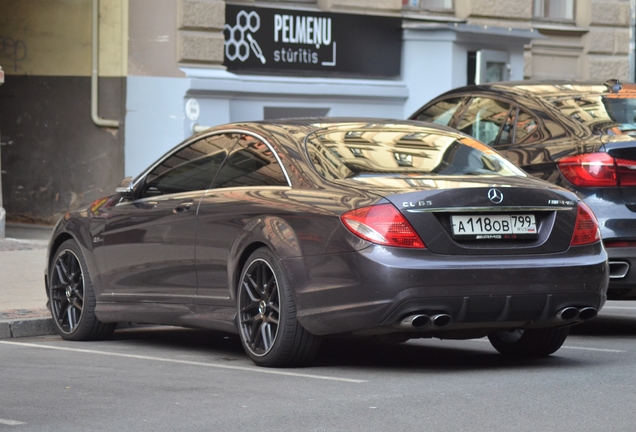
(94, 75)
(632, 42)
(2, 212)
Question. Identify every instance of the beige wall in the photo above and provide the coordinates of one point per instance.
(152, 29)
(155, 37)
(53, 37)
(594, 46)
(201, 40)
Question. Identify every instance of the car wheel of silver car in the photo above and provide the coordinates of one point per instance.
(71, 296)
(529, 343)
(269, 331)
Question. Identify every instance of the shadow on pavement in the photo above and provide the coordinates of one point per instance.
(362, 353)
(607, 325)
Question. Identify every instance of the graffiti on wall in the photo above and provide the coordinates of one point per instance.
(12, 52)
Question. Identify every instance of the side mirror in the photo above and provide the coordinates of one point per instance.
(125, 188)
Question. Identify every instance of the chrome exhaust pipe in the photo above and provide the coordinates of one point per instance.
(618, 269)
(441, 320)
(568, 314)
(587, 313)
(418, 321)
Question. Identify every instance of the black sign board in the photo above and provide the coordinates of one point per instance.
(311, 43)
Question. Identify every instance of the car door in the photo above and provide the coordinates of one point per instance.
(536, 144)
(149, 241)
(248, 184)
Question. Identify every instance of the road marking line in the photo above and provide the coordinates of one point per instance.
(192, 363)
(594, 349)
(11, 422)
(618, 307)
(568, 347)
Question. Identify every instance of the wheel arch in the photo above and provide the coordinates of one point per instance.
(53, 248)
(272, 232)
(240, 264)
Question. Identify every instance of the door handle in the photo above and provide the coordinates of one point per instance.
(182, 207)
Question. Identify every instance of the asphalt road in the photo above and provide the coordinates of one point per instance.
(176, 379)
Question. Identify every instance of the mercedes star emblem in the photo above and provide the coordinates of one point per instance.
(495, 196)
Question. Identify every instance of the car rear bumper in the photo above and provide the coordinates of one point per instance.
(622, 263)
(373, 290)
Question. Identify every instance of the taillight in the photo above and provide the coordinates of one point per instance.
(598, 170)
(382, 224)
(626, 172)
(591, 170)
(619, 244)
(586, 227)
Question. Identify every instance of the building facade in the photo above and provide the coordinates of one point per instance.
(98, 89)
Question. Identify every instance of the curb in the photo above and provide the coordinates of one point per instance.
(27, 327)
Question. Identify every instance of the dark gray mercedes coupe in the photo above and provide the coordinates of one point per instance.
(286, 231)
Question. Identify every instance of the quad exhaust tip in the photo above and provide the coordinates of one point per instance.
(571, 313)
(419, 321)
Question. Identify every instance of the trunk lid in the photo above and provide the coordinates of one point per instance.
(473, 217)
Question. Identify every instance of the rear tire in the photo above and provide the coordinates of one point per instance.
(72, 298)
(267, 323)
(529, 343)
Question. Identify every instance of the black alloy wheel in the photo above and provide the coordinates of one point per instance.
(269, 331)
(71, 297)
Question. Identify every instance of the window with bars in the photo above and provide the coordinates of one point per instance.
(557, 10)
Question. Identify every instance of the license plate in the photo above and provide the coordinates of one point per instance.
(494, 227)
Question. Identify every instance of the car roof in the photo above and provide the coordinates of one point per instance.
(550, 89)
(308, 125)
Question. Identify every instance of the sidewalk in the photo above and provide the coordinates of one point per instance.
(23, 309)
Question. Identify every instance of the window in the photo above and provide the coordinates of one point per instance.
(190, 168)
(441, 113)
(428, 4)
(402, 153)
(251, 163)
(483, 119)
(558, 10)
(525, 126)
(486, 66)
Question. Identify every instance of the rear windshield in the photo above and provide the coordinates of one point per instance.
(367, 152)
(611, 113)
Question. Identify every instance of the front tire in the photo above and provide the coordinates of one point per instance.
(267, 323)
(72, 298)
(529, 343)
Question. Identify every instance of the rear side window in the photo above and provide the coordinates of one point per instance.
(190, 168)
(525, 126)
(251, 163)
(484, 118)
(441, 113)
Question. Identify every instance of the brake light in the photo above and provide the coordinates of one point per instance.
(619, 244)
(592, 170)
(382, 224)
(626, 172)
(586, 227)
(598, 170)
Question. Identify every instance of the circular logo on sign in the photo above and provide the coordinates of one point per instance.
(192, 109)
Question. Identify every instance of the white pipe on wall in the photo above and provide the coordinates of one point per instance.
(95, 73)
